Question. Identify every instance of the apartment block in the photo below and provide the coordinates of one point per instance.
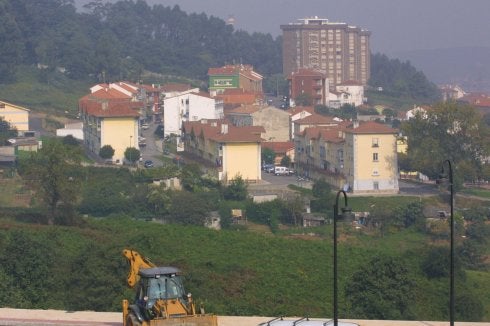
(360, 157)
(340, 51)
(232, 151)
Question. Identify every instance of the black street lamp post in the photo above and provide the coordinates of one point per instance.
(335, 276)
(449, 175)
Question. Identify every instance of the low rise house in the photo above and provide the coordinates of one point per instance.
(110, 123)
(275, 121)
(188, 106)
(234, 77)
(17, 116)
(232, 151)
(74, 129)
(355, 156)
(281, 149)
(311, 83)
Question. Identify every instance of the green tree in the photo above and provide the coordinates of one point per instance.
(6, 131)
(69, 140)
(449, 131)
(188, 208)
(411, 214)
(286, 161)
(106, 152)
(347, 112)
(132, 155)
(159, 199)
(191, 177)
(53, 170)
(268, 156)
(12, 45)
(236, 190)
(381, 289)
(323, 201)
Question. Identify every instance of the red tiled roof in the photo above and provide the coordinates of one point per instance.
(109, 94)
(128, 87)
(149, 88)
(176, 87)
(110, 109)
(370, 127)
(477, 99)
(238, 96)
(315, 118)
(279, 147)
(212, 129)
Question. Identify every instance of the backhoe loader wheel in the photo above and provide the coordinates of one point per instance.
(132, 321)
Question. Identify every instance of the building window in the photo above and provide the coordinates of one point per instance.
(375, 142)
(375, 157)
(376, 185)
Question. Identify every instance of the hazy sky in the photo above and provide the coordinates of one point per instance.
(396, 25)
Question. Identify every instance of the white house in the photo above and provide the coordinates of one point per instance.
(349, 92)
(189, 106)
(75, 129)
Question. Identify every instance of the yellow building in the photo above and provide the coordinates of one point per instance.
(370, 158)
(106, 123)
(232, 151)
(359, 157)
(16, 116)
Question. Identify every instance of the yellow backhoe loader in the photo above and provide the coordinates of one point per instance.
(160, 297)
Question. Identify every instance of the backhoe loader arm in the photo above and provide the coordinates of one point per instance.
(136, 261)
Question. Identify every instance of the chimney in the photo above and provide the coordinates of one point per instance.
(355, 124)
(224, 128)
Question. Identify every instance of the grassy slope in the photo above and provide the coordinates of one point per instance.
(241, 273)
(52, 93)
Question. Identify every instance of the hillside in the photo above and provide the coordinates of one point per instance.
(468, 67)
(125, 40)
(234, 273)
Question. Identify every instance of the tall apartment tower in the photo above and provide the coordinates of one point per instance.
(338, 50)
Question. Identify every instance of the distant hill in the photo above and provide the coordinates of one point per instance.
(468, 67)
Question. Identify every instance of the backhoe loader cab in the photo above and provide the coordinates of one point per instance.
(160, 298)
(160, 283)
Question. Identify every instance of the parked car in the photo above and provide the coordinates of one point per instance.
(291, 171)
(148, 164)
(267, 166)
(281, 170)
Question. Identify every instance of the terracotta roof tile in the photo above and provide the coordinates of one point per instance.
(212, 129)
(176, 87)
(316, 119)
(370, 127)
(109, 94)
(110, 109)
(279, 147)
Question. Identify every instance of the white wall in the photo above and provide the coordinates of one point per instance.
(188, 107)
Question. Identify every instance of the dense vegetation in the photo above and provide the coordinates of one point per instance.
(236, 273)
(120, 40)
(125, 39)
(74, 264)
(401, 80)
